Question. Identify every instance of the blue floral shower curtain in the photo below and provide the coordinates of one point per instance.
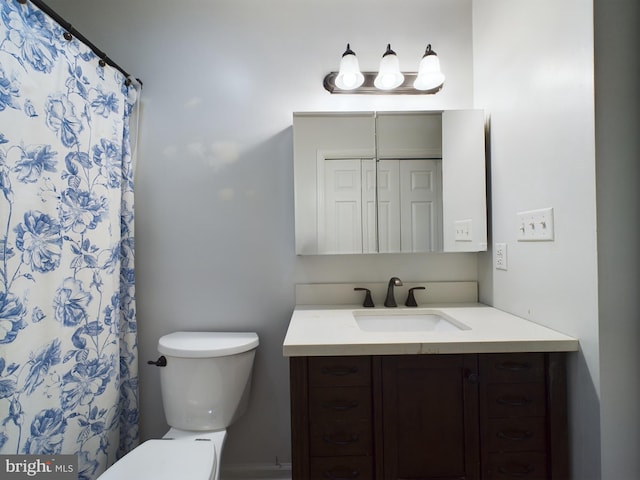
(68, 345)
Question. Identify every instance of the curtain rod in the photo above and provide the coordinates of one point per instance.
(69, 28)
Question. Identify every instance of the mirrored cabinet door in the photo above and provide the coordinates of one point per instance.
(389, 182)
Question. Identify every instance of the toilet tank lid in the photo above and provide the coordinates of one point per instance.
(206, 344)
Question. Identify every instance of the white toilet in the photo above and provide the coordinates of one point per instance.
(205, 379)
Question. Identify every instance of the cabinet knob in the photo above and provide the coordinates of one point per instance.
(340, 405)
(346, 474)
(514, 400)
(513, 366)
(341, 439)
(339, 371)
(515, 435)
(472, 377)
(516, 470)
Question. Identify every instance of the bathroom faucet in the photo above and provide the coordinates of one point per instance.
(391, 300)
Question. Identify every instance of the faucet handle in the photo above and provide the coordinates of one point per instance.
(368, 301)
(411, 299)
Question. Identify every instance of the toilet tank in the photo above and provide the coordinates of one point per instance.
(207, 379)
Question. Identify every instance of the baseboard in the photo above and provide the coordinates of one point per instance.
(256, 471)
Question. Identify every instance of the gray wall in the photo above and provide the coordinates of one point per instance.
(618, 172)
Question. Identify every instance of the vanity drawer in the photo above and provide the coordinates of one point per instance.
(341, 468)
(516, 434)
(527, 466)
(337, 438)
(339, 371)
(513, 367)
(340, 403)
(516, 400)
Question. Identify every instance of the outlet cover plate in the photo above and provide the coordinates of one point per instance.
(500, 256)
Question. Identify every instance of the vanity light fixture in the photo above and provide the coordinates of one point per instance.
(389, 79)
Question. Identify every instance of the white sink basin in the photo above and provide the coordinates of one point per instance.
(402, 321)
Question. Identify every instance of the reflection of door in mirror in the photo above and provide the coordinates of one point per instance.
(407, 215)
(346, 205)
(409, 205)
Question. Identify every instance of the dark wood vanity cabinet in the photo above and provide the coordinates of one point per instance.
(429, 410)
(523, 417)
(429, 417)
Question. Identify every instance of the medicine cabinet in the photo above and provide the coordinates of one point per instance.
(389, 182)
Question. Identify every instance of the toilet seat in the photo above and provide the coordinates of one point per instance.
(166, 460)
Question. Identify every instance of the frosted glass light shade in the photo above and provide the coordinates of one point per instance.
(389, 75)
(429, 74)
(349, 76)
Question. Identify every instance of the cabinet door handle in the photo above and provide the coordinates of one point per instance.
(516, 470)
(340, 405)
(514, 400)
(472, 377)
(345, 474)
(339, 371)
(515, 435)
(344, 440)
(513, 366)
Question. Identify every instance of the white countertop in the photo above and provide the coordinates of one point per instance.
(332, 330)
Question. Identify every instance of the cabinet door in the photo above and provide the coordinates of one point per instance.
(430, 417)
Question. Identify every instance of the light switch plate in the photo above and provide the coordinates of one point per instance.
(500, 256)
(536, 225)
(463, 230)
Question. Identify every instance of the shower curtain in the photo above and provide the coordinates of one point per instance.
(68, 344)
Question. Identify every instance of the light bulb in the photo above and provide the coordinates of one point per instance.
(389, 76)
(429, 75)
(349, 76)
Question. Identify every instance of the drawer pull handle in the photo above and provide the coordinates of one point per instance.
(514, 400)
(340, 406)
(345, 474)
(342, 439)
(515, 435)
(339, 371)
(517, 470)
(513, 366)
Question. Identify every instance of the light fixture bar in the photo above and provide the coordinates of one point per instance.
(368, 88)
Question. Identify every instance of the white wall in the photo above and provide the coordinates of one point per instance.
(214, 224)
(533, 67)
(618, 172)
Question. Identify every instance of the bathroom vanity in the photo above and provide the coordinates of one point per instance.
(484, 400)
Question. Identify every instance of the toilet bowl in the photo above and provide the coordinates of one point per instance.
(205, 379)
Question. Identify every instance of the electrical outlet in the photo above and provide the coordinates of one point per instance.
(536, 225)
(463, 230)
(500, 256)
